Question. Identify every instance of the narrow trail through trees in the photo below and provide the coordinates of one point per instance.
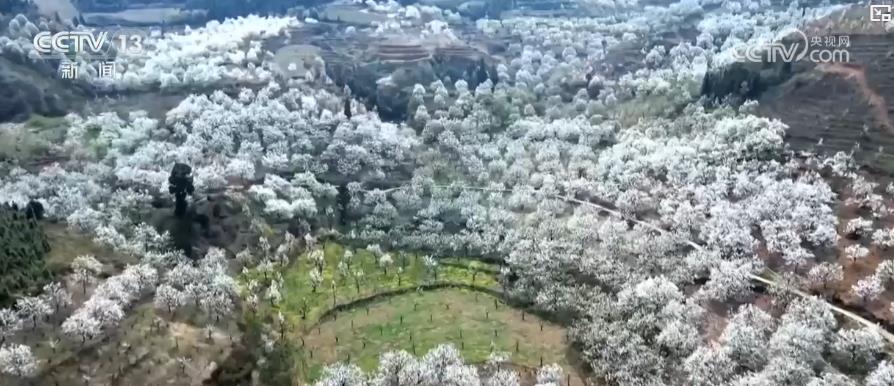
(889, 337)
(876, 101)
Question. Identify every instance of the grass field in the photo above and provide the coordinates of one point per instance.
(431, 317)
(417, 322)
(302, 304)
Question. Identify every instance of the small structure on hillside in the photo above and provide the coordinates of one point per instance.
(296, 61)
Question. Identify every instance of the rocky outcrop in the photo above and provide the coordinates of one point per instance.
(212, 220)
(463, 62)
(393, 91)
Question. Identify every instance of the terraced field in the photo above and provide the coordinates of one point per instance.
(846, 105)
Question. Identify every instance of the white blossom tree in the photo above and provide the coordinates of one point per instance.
(746, 336)
(883, 238)
(825, 275)
(707, 366)
(56, 296)
(342, 375)
(33, 308)
(868, 289)
(84, 269)
(503, 378)
(857, 349)
(883, 375)
(316, 279)
(10, 323)
(385, 261)
(18, 361)
(856, 252)
(82, 326)
(169, 298)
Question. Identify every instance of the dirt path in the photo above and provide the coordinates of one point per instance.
(877, 103)
(769, 281)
